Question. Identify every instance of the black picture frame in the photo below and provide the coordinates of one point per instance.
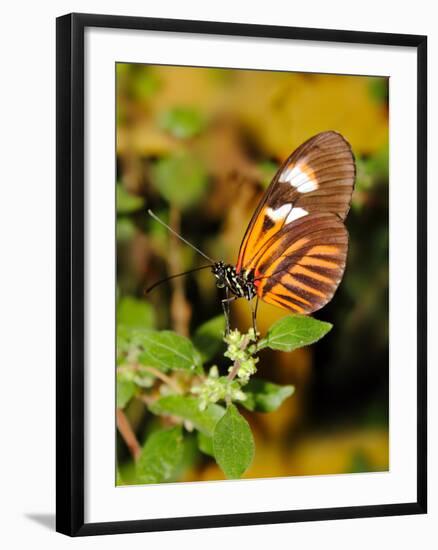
(70, 273)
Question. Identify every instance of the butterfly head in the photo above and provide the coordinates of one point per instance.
(218, 271)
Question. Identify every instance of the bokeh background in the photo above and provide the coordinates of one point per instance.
(199, 146)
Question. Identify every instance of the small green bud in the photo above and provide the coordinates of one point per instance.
(234, 337)
(188, 425)
(213, 372)
(165, 390)
(238, 395)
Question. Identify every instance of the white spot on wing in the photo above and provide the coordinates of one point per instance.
(295, 214)
(278, 213)
(300, 179)
(308, 186)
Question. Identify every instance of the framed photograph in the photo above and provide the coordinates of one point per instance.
(241, 274)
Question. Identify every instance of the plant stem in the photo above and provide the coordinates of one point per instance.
(156, 372)
(146, 399)
(233, 372)
(164, 378)
(128, 434)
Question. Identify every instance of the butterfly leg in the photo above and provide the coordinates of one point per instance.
(226, 307)
(254, 316)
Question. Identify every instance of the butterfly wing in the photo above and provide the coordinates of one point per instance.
(298, 226)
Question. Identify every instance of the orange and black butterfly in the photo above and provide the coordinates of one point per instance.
(294, 250)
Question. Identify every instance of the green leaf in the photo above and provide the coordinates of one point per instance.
(138, 374)
(123, 336)
(205, 444)
(133, 313)
(128, 340)
(181, 179)
(359, 463)
(129, 336)
(378, 164)
(127, 203)
(182, 122)
(145, 83)
(263, 396)
(294, 331)
(378, 88)
(187, 408)
(233, 444)
(125, 229)
(167, 350)
(190, 457)
(125, 390)
(372, 169)
(208, 337)
(160, 456)
(267, 170)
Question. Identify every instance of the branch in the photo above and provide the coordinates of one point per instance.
(128, 434)
(146, 399)
(164, 378)
(155, 372)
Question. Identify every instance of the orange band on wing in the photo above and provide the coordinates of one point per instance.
(292, 281)
(299, 270)
(294, 247)
(279, 289)
(324, 250)
(317, 262)
(264, 228)
(276, 300)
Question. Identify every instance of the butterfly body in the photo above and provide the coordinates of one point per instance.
(240, 285)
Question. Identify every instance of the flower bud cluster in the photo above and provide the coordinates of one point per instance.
(241, 349)
(217, 388)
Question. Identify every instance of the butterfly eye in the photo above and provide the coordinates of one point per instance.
(220, 279)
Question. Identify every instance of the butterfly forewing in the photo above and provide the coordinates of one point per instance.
(296, 242)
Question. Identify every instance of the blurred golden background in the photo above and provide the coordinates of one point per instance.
(199, 146)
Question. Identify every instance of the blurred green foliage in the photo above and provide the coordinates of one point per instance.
(134, 313)
(127, 203)
(181, 179)
(198, 147)
(205, 337)
(265, 396)
(182, 122)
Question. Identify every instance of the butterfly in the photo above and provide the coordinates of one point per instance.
(293, 253)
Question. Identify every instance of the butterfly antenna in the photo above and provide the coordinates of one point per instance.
(173, 277)
(179, 237)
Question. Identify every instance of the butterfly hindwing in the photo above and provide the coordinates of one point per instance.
(296, 240)
(302, 268)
